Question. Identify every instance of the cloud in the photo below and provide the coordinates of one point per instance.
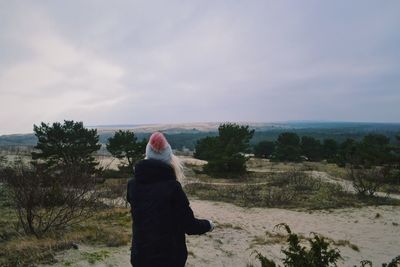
(181, 61)
(58, 79)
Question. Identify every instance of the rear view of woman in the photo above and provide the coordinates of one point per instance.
(160, 210)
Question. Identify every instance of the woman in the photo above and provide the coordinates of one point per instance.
(160, 209)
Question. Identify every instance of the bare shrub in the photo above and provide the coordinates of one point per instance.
(113, 193)
(46, 201)
(279, 196)
(301, 181)
(367, 181)
(297, 180)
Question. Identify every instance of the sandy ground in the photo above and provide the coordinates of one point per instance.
(232, 242)
(240, 231)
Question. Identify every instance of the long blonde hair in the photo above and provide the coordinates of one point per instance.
(178, 167)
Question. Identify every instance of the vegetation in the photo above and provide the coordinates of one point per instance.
(206, 148)
(3, 160)
(318, 253)
(225, 151)
(52, 203)
(367, 181)
(264, 149)
(96, 256)
(289, 189)
(311, 148)
(33, 225)
(124, 145)
(329, 150)
(110, 227)
(372, 150)
(47, 201)
(57, 188)
(65, 146)
(287, 147)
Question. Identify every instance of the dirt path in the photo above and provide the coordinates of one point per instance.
(241, 230)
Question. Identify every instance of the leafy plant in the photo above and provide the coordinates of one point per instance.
(318, 254)
(296, 255)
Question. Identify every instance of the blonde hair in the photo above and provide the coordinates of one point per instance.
(178, 167)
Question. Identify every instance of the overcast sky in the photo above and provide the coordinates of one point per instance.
(130, 62)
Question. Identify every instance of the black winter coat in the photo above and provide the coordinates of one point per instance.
(161, 216)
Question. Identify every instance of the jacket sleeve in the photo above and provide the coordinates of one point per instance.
(191, 225)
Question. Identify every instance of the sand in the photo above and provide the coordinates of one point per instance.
(230, 244)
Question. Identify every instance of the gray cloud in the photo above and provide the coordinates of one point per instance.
(181, 61)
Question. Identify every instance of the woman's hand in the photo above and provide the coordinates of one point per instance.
(212, 225)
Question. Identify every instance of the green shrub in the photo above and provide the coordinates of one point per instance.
(318, 254)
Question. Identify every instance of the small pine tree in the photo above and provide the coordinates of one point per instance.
(225, 152)
(66, 146)
(124, 145)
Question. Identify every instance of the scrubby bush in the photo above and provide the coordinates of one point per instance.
(318, 254)
(45, 201)
(367, 181)
(301, 181)
(243, 195)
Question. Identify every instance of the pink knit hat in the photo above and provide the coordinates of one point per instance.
(158, 141)
(158, 148)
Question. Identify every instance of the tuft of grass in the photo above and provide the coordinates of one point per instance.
(270, 238)
(191, 253)
(345, 243)
(93, 257)
(229, 225)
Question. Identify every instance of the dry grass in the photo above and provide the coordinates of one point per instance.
(110, 227)
(268, 239)
(272, 238)
(264, 165)
(229, 225)
(279, 192)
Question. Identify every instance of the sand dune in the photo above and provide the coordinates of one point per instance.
(232, 243)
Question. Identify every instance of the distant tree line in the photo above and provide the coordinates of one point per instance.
(372, 149)
(370, 162)
(226, 152)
